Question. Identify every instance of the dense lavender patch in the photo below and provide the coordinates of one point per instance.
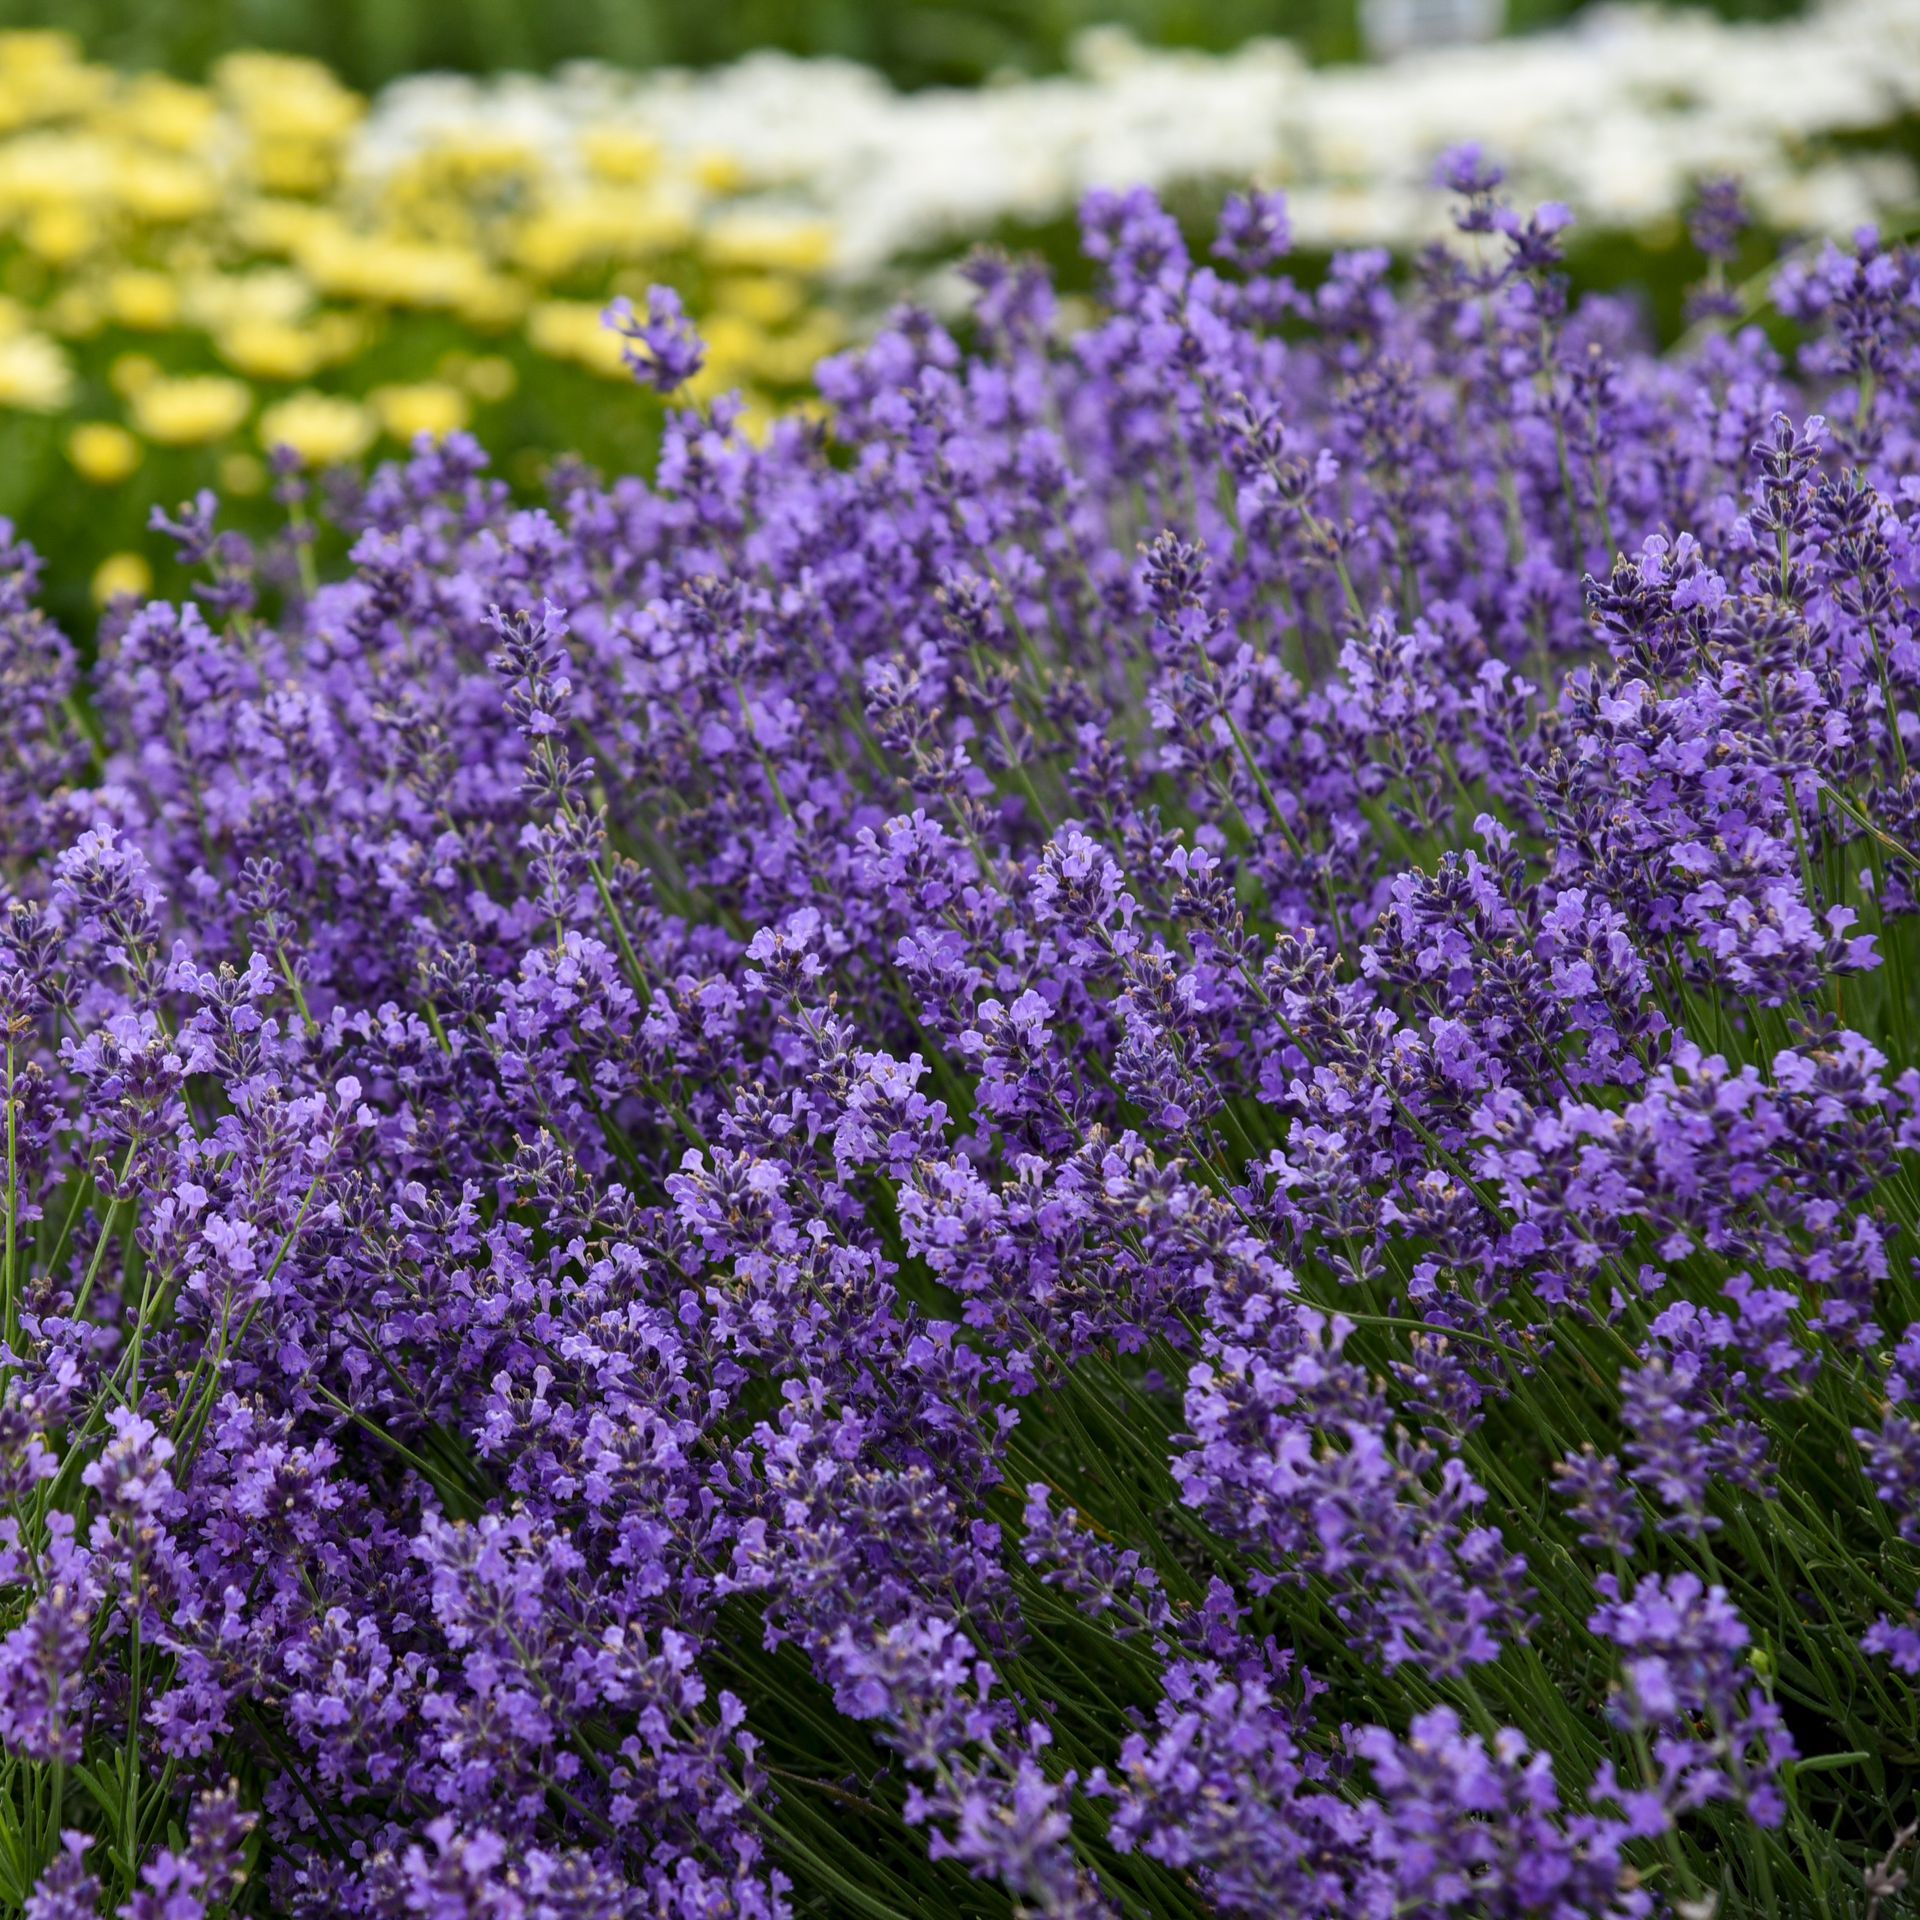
(1132, 1140)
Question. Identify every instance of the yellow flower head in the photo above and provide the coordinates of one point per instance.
(163, 190)
(431, 407)
(757, 420)
(489, 377)
(573, 330)
(191, 411)
(604, 223)
(789, 359)
(768, 241)
(60, 235)
(271, 349)
(102, 452)
(121, 576)
(32, 52)
(623, 154)
(75, 312)
(45, 77)
(718, 170)
(322, 428)
(242, 475)
(293, 166)
(390, 270)
(297, 114)
(768, 299)
(735, 348)
(132, 371)
(217, 301)
(168, 113)
(491, 302)
(289, 98)
(275, 225)
(34, 374)
(140, 298)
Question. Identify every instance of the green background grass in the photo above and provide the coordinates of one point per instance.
(916, 42)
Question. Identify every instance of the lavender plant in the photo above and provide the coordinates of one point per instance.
(1133, 1140)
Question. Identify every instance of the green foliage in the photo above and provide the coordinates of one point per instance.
(916, 42)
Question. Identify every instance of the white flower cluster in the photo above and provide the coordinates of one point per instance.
(1619, 114)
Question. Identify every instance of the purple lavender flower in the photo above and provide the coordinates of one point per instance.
(1683, 1644)
(995, 1149)
(67, 1890)
(1470, 1824)
(1253, 232)
(660, 344)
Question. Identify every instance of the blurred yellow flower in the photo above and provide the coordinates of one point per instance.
(27, 52)
(271, 349)
(168, 113)
(342, 335)
(759, 416)
(273, 225)
(247, 236)
(121, 575)
(757, 421)
(45, 170)
(572, 330)
(215, 301)
(770, 299)
(138, 297)
(298, 117)
(60, 235)
(489, 377)
(166, 191)
(131, 372)
(242, 474)
(599, 224)
(293, 166)
(191, 410)
(624, 154)
(102, 452)
(35, 376)
(322, 428)
(491, 303)
(476, 157)
(47, 77)
(296, 99)
(744, 238)
(788, 360)
(389, 269)
(735, 347)
(74, 312)
(719, 171)
(430, 407)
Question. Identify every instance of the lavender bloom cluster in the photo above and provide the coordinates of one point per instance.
(1130, 1140)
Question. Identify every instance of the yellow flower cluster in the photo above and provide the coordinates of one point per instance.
(205, 267)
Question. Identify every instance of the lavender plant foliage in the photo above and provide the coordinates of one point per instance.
(1131, 1138)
